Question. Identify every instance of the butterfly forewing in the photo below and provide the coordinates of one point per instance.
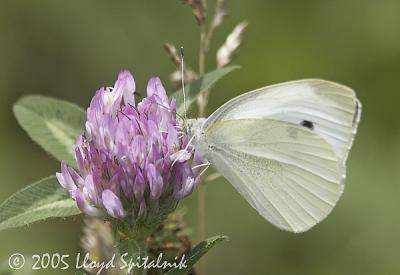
(328, 108)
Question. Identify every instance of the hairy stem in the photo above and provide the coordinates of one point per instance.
(131, 242)
(134, 248)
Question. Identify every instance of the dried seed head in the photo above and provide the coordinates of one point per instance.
(172, 53)
(189, 76)
(220, 13)
(98, 241)
(232, 43)
(199, 10)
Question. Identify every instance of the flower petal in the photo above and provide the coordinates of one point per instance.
(113, 204)
(155, 181)
(64, 178)
(155, 87)
(124, 88)
(76, 178)
(187, 188)
(180, 156)
(84, 205)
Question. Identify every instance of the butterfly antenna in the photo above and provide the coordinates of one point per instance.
(162, 106)
(183, 81)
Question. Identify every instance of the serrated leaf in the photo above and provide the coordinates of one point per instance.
(196, 253)
(54, 124)
(200, 86)
(38, 201)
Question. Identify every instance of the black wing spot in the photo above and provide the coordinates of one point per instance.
(308, 124)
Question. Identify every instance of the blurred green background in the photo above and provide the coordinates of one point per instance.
(68, 49)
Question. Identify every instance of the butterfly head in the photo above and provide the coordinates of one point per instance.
(194, 127)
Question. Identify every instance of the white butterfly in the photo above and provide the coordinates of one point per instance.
(284, 148)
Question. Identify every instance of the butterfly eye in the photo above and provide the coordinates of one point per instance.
(308, 124)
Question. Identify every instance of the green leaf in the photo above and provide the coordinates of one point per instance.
(38, 201)
(196, 253)
(200, 86)
(54, 124)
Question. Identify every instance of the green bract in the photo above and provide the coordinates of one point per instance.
(200, 86)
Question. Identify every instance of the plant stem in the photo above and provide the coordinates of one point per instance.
(202, 52)
(133, 243)
(201, 213)
(202, 101)
(142, 252)
(202, 104)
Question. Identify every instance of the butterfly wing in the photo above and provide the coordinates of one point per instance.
(329, 109)
(288, 173)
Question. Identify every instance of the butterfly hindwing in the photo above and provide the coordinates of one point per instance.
(289, 174)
